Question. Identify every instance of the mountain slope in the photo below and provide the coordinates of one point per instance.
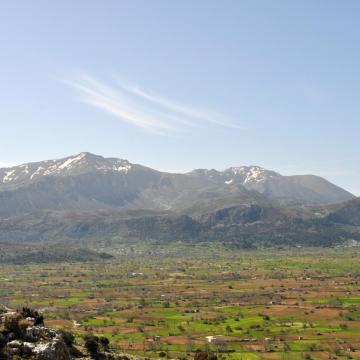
(347, 213)
(86, 181)
(87, 198)
(297, 189)
(91, 182)
(248, 225)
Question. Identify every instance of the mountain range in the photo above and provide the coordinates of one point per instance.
(87, 197)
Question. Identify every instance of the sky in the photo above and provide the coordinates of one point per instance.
(183, 84)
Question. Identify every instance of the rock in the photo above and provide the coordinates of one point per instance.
(9, 336)
(31, 320)
(14, 344)
(52, 350)
(20, 348)
(32, 333)
(36, 333)
(26, 337)
(27, 348)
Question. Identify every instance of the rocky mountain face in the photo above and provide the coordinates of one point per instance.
(86, 196)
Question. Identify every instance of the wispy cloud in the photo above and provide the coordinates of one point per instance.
(144, 109)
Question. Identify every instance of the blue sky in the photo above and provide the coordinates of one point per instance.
(178, 85)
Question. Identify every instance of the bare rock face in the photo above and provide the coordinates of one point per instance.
(24, 336)
(34, 333)
(52, 350)
(21, 338)
(18, 348)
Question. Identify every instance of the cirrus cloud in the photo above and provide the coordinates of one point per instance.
(144, 109)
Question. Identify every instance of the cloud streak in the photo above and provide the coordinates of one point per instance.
(143, 109)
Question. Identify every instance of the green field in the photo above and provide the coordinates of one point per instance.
(300, 304)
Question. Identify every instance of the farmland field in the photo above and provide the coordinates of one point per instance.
(298, 304)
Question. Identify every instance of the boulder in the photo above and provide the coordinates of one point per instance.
(52, 350)
(19, 348)
(36, 333)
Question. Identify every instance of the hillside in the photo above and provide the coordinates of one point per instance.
(86, 181)
(89, 198)
(13, 253)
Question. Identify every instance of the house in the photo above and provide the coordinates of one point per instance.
(217, 340)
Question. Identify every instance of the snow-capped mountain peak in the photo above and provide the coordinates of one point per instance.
(248, 174)
(72, 165)
(87, 181)
(244, 175)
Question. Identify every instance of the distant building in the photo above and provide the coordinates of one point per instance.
(217, 340)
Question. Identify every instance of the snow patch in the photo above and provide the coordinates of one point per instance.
(8, 176)
(122, 168)
(251, 174)
(82, 162)
(37, 172)
(69, 161)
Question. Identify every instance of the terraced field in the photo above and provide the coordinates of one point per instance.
(302, 304)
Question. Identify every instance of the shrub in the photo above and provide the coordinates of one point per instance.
(202, 355)
(11, 322)
(68, 337)
(91, 344)
(104, 341)
(27, 312)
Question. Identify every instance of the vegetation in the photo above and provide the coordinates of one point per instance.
(35, 253)
(278, 304)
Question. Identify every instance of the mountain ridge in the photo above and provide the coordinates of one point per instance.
(306, 188)
(87, 197)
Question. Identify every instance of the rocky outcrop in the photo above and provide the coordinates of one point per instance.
(54, 349)
(25, 336)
